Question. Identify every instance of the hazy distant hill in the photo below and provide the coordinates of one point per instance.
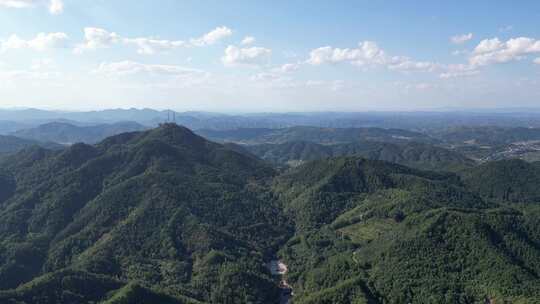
(67, 133)
(415, 155)
(11, 144)
(419, 121)
(488, 135)
(314, 134)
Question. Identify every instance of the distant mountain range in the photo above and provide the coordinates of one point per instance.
(65, 133)
(418, 121)
(315, 135)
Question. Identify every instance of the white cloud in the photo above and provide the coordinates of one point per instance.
(97, 38)
(212, 37)
(368, 53)
(406, 64)
(251, 56)
(460, 39)
(537, 60)
(153, 75)
(458, 70)
(287, 68)
(491, 51)
(248, 40)
(42, 42)
(150, 46)
(55, 6)
(127, 67)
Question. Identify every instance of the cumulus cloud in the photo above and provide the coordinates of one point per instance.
(96, 38)
(460, 39)
(55, 6)
(367, 53)
(42, 42)
(248, 40)
(212, 37)
(491, 51)
(149, 46)
(251, 56)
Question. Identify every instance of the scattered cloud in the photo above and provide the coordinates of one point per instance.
(368, 53)
(55, 6)
(124, 68)
(406, 64)
(248, 40)
(212, 37)
(460, 39)
(153, 75)
(493, 50)
(250, 56)
(287, 68)
(96, 38)
(458, 71)
(148, 46)
(537, 60)
(42, 42)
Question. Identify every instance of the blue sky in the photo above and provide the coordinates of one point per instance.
(252, 56)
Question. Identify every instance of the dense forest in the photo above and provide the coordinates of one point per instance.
(166, 216)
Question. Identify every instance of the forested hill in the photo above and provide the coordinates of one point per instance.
(11, 144)
(314, 134)
(164, 208)
(65, 133)
(374, 232)
(508, 180)
(417, 155)
(165, 216)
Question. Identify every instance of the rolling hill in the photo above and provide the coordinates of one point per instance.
(165, 216)
(422, 156)
(12, 144)
(66, 133)
(165, 208)
(314, 134)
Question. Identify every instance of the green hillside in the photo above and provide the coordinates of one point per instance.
(314, 134)
(417, 155)
(165, 216)
(372, 232)
(165, 208)
(508, 180)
